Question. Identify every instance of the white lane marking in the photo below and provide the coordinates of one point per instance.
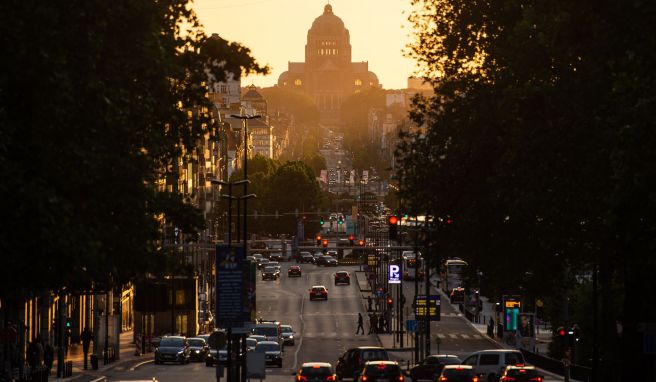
(476, 336)
(300, 343)
(442, 336)
(465, 336)
(453, 335)
(139, 365)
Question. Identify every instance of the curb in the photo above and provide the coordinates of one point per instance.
(133, 368)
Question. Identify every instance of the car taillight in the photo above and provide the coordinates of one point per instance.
(442, 379)
(330, 378)
(536, 379)
(301, 378)
(401, 378)
(507, 379)
(475, 379)
(364, 378)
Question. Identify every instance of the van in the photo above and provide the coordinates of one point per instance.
(491, 362)
(271, 329)
(351, 363)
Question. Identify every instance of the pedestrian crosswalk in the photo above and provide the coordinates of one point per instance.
(460, 336)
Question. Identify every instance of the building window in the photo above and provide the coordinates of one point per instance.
(224, 88)
(358, 82)
(298, 82)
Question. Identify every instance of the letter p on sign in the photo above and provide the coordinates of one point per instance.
(394, 274)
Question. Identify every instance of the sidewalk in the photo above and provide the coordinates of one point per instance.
(126, 359)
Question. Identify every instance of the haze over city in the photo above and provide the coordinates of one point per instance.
(276, 30)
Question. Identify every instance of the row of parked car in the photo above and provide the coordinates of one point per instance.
(372, 364)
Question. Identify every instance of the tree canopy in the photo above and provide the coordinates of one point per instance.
(538, 144)
(95, 110)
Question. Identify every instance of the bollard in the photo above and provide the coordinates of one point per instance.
(94, 361)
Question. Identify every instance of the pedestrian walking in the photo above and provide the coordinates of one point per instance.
(369, 303)
(490, 327)
(373, 328)
(86, 341)
(360, 322)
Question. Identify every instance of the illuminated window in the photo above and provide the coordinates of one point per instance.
(358, 82)
(224, 89)
(357, 91)
(298, 82)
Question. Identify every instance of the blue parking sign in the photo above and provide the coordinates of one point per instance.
(394, 274)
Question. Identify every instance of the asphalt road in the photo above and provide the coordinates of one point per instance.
(324, 329)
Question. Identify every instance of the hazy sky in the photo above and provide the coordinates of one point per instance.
(276, 32)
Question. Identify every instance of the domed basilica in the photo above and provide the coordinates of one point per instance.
(328, 75)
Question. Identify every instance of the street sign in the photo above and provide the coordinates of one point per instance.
(229, 286)
(411, 325)
(217, 340)
(394, 274)
(434, 307)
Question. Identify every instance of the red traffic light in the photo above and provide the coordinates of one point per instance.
(561, 332)
(392, 220)
(449, 221)
(351, 237)
(325, 242)
(390, 301)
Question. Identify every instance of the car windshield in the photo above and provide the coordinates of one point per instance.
(382, 369)
(274, 263)
(313, 371)
(458, 374)
(318, 289)
(251, 342)
(262, 347)
(269, 269)
(267, 331)
(449, 360)
(375, 355)
(264, 261)
(287, 329)
(342, 274)
(171, 342)
(196, 342)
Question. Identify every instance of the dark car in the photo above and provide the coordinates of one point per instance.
(197, 348)
(294, 271)
(458, 373)
(431, 367)
(172, 349)
(315, 372)
(272, 351)
(306, 257)
(342, 277)
(270, 273)
(327, 261)
(262, 263)
(287, 334)
(220, 356)
(276, 256)
(351, 363)
(516, 373)
(381, 371)
(318, 292)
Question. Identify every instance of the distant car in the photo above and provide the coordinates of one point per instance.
(263, 263)
(275, 264)
(294, 271)
(351, 363)
(250, 343)
(287, 335)
(197, 348)
(316, 372)
(431, 367)
(332, 253)
(306, 257)
(458, 373)
(258, 337)
(172, 349)
(258, 257)
(381, 371)
(270, 273)
(276, 256)
(327, 261)
(520, 374)
(489, 362)
(342, 277)
(272, 351)
(316, 256)
(318, 292)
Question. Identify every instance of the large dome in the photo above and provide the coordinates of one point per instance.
(327, 23)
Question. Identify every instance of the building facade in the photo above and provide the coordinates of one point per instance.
(328, 75)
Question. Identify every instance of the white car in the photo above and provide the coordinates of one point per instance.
(491, 362)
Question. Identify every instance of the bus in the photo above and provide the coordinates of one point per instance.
(452, 275)
(413, 267)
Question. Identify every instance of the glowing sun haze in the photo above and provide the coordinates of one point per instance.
(276, 32)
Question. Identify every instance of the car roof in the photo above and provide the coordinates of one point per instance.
(381, 363)
(443, 356)
(180, 337)
(341, 272)
(318, 286)
(286, 326)
(310, 364)
(268, 343)
(368, 348)
(196, 338)
(465, 367)
(497, 351)
(527, 367)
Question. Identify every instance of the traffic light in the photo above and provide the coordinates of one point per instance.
(325, 242)
(562, 336)
(321, 221)
(318, 240)
(390, 302)
(361, 243)
(392, 221)
(351, 238)
(341, 220)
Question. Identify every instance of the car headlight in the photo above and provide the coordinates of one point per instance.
(180, 352)
(197, 351)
